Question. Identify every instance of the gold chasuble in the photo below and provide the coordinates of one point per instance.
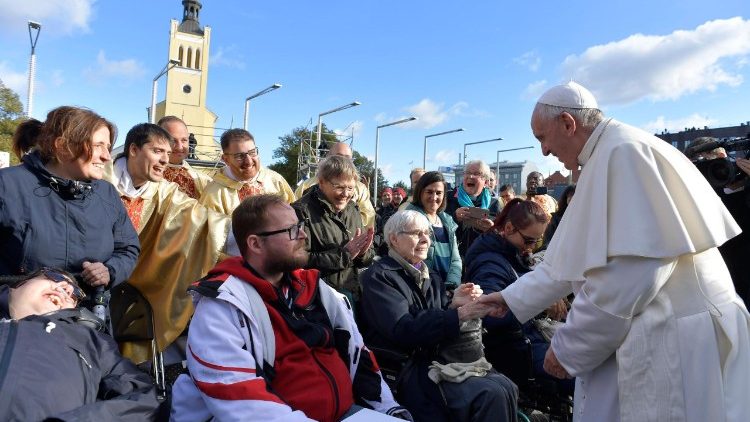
(191, 182)
(225, 193)
(180, 242)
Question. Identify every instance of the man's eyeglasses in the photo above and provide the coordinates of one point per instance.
(240, 156)
(76, 294)
(293, 230)
(528, 240)
(474, 174)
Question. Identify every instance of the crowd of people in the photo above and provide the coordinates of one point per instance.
(273, 304)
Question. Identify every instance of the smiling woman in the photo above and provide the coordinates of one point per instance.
(54, 209)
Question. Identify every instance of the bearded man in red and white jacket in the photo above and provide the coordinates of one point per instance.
(270, 340)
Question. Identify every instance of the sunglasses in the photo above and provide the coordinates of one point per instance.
(58, 277)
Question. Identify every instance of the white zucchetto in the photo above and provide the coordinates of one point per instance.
(569, 95)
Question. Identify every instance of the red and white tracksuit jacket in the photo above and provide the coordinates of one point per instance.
(309, 379)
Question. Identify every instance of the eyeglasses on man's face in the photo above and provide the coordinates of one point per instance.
(241, 156)
(293, 231)
(476, 174)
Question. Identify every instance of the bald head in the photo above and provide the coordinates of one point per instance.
(341, 149)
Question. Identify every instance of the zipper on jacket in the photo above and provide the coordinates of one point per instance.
(8, 352)
(333, 384)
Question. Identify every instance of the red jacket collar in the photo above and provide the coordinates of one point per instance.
(304, 282)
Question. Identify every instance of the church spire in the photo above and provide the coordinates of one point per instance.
(190, 23)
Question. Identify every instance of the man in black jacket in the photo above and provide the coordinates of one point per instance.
(56, 365)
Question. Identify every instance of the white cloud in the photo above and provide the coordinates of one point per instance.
(63, 17)
(17, 81)
(445, 156)
(534, 90)
(530, 60)
(663, 67)
(430, 114)
(227, 57)
(104, 69)
(677, 125)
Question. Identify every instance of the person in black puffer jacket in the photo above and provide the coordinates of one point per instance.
(496, 260)
(54, 363)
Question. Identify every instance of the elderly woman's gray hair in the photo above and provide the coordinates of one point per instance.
(402, 221)
(481, 166)
(335, 167)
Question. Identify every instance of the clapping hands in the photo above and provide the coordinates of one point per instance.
(360, 242)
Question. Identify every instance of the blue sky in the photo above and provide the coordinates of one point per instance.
(477, 65)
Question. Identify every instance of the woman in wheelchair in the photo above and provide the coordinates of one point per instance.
(405, 309)
(496, 260)
(57, 364)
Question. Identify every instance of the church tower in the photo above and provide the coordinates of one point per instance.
(187, 82)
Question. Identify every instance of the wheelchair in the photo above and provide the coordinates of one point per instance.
(539, 400)
(132, 320)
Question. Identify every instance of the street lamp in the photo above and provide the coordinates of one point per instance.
(424, 155)
(377, 145)
(33, 37)
(320, 123)
(479, 142)
(497, 160)
(170, 64)
(247, 100)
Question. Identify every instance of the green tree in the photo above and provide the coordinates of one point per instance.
(288, 153)
(11, 115)
(401, 184)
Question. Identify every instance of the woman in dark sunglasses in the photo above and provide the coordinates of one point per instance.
(496, 260)
(55, 365)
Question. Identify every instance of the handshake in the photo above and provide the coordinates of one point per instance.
(471, 304)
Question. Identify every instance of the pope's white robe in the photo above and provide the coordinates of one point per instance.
(656, 331)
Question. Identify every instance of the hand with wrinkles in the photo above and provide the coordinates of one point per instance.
(95, 274)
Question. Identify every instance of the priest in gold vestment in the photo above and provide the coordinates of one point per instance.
(243, 176)
(180, 239)
(190, 181)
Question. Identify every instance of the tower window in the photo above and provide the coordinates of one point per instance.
(179, 55)
(189, 57)
(198, 58)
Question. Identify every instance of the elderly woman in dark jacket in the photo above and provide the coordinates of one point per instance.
(496, 260)
(338, 242)
(54, 209)
(406, 310)
(56, 365)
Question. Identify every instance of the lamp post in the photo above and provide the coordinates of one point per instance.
(320, 122)
(377, 145)
(247, 101)
(497, 160)
(152, 113)
(33, 37)
(424, 155)
(479, 142)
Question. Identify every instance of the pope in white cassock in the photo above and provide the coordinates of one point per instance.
(656, 331)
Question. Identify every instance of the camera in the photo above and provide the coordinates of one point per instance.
(721, 171)
(539, 190)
